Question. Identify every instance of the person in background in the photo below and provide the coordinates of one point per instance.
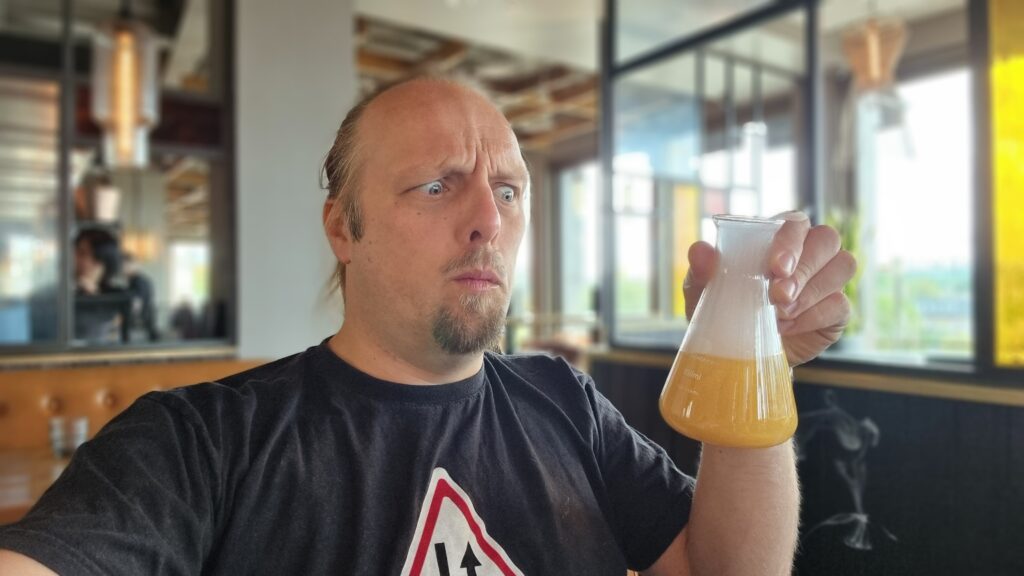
(98, 261)
(401, 444)
(141, 289)
(102, 301)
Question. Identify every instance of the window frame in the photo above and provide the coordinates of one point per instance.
(66, 64)
(810, 157)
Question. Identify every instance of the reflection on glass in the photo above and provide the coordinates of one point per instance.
(645, 25)
(28, 211)
(144, 254)
(1007, 84)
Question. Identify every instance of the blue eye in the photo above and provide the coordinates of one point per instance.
(433, 188)
(507, 193)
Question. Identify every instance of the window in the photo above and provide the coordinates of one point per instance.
(29, 264)
(579, 196)
(914, 162)
(645, 25)
(92, 256)
(709, 131)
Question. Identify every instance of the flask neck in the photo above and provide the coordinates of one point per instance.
(743, 247)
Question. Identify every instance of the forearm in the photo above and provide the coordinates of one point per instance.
(746, 511)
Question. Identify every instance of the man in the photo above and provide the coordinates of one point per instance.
(399, 446)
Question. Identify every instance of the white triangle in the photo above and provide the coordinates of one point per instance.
(451, 538)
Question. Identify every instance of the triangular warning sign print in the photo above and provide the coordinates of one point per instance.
(451, 539)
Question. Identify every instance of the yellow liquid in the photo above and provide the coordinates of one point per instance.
(725, 401)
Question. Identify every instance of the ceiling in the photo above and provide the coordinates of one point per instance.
(524, 51)
(546, 102)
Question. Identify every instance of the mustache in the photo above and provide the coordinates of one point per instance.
(477, 259)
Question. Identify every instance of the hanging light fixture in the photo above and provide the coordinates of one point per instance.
(872, 49)
(125, 89)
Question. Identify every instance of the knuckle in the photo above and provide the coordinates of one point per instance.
(827, 236)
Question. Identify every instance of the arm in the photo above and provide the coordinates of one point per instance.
(138, 498)
(744, 517)
(745, 513)
(14, 564)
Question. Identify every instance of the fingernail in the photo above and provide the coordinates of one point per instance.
(794, 215)
(789, 308)
(788, 264)
(790, 289)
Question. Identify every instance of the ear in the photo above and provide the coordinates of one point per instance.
(336, 228)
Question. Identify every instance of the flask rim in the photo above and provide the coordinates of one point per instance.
(736, 219)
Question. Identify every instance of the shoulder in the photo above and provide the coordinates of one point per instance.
(274, 385)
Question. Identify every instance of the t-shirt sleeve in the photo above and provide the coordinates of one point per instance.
(137, 499)
(649, 498)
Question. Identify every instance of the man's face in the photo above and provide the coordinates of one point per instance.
(443, 197)
(86, 264)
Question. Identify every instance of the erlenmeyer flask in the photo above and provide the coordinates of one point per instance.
(730, 383)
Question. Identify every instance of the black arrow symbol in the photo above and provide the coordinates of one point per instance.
(469, 561)
(442, 559)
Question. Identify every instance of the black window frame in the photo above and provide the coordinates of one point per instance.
(810, 169)
(68, 65)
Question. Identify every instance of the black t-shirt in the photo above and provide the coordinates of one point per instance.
(309, 466)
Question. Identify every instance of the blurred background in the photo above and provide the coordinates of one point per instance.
(160, 216)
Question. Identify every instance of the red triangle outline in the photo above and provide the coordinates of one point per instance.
(443, 489)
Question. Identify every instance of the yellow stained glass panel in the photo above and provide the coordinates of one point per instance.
(686, 231)
(1006, 32)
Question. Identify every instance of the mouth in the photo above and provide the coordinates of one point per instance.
(479, 280)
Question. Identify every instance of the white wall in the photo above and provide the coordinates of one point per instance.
(295, 81)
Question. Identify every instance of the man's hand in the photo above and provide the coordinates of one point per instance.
(808, 269)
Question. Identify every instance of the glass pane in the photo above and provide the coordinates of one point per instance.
(579, 207)
(686, 231)
(1007, 85)
(745, 135)
(633, 267)
(29, 196)
(520, 331)
(645, 25)
(146, 244)
(707, 132)
(715, 113)
(900, 192)
(656, 115)
(750, 116)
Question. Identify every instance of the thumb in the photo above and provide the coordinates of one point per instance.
(703, 260)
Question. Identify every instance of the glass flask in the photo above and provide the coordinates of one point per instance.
(730, 384)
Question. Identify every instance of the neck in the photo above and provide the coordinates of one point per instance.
(404, 363)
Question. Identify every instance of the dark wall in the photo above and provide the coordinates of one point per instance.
(940, 483)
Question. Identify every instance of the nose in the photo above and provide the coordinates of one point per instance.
(483, 220)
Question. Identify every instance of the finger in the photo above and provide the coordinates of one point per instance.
(788, 244)
(830, 316)
(703, 259)
(831, 278)
(821, 244)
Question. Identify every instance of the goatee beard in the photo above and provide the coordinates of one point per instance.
(479, 322)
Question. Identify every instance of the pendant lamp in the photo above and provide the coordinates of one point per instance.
(125, 90)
